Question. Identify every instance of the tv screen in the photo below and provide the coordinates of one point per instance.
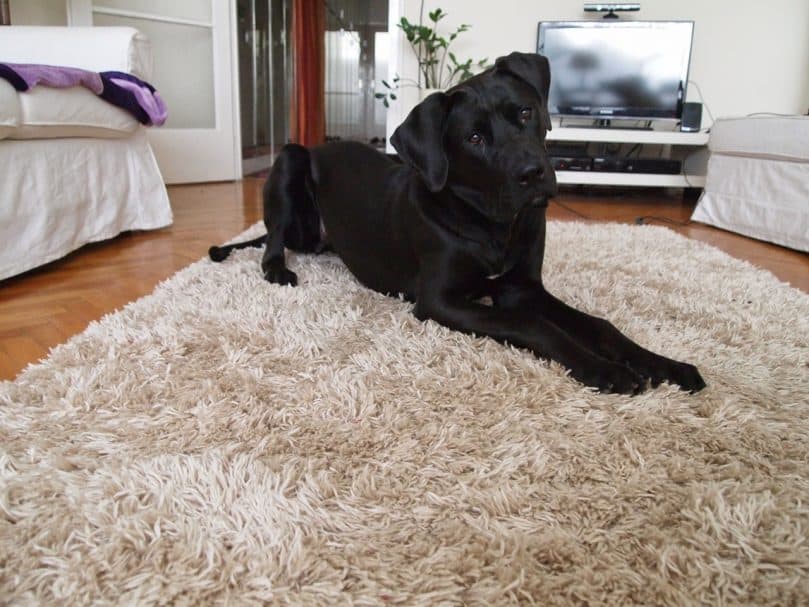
(617, 69)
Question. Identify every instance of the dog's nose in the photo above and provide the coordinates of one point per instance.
(531, 172)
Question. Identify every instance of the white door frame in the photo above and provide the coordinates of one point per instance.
(178, 151)
(394, 115)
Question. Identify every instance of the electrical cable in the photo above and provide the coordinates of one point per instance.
(702, 99)
(682, 168)
(645, 219)
(568, 209)
(642, 220)
(635, 148)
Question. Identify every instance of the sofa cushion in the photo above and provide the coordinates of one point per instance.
(9, 109)
(47, 112)
(97, 49)
(777, 137)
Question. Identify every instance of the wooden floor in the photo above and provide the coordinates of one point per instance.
(43, 308)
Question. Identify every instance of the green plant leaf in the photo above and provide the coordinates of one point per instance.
(436, 15)
(432, 52)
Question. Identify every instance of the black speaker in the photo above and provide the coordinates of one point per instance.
(692, 117)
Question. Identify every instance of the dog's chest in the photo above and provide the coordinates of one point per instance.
(497, 256)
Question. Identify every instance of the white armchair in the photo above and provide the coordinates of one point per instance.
(73, 168)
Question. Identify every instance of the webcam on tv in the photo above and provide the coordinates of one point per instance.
(610, 8)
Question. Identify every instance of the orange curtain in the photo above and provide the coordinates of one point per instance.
(308, 120)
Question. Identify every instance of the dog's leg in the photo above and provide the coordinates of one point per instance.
(290, 214)
(273, 262)
(598, 335)
(523, 328)
(613, 344)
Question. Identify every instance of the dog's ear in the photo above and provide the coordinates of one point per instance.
(533, 69)
(420, 140)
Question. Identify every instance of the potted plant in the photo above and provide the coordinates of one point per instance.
(439, 68)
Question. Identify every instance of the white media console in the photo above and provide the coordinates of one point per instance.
(690, 148)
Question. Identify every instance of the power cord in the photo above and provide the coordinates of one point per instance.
(702, 99)
(568, 209)
(683, 164)
(642, 220)
(635, 149)
(645, 219)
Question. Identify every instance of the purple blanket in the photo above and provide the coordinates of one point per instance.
(132, 94)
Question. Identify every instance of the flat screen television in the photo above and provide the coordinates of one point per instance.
(617, 69)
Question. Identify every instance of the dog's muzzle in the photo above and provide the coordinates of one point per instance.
(537, 177)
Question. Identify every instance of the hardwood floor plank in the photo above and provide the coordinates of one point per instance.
(44, 307)
(21, 314)
(21, 350)
(44, 333)
(8, 366)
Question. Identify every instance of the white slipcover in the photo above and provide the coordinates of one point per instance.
(758, 179)
(73, 168)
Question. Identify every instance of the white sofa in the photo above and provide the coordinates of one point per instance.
(74, 169)
(758, 179)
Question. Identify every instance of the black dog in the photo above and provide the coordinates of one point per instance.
(462, 218)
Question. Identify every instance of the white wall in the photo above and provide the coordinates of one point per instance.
(38, 12)
(747, 56)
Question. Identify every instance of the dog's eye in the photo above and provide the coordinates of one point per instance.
(525, 114)
(475, 139)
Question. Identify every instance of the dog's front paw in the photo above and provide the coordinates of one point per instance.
(687, 377)
(612, 377)
(281, 276)
(662, 369)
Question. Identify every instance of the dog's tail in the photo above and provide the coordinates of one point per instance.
(221, 253)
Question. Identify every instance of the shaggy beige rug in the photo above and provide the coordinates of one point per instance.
(228, 441)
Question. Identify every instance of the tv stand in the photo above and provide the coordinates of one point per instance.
(608, 125)
(690, 148)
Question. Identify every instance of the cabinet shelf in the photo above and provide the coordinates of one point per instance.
(609, 135)
(630, 179)
(692, 149)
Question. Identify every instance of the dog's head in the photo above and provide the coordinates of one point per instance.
(484, 139)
